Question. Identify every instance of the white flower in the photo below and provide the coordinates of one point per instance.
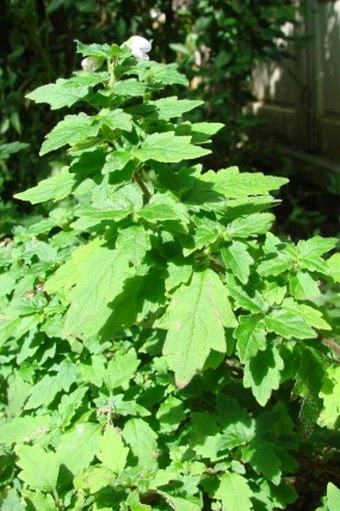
(90, 64)
(140, 47)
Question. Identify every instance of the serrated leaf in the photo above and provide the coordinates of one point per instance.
(168, 148)
(143, 442)
(130, 87)
(238, 426)
(163, 207)
(235, 184)
(54, 188)
(170, 107)
(316, 246)
(121, 369)
(333, 264)
(234, 492)
(116, 119)
(95, 290)
(195, 320)
(262, 374)
(78, 447)
(303, 286)
(178, 273)
(275, 265)
(94, 50)
(112, 452)
(43, 392)
(39, 469)
(313, 317)
(256, 223)
(251, 301)
(160, 74)
(288, 325)
(237, 258)
(23, 428)
(251, 337)
(262, 456)
(73, 129)
(66, 92)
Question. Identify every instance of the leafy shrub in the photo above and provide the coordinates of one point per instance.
(161, 349)
(216, 43)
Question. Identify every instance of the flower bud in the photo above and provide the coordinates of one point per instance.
(90, 64)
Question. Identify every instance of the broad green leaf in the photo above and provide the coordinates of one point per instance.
(66, 92)
(263, 458)
(94, 290)
(44, 392)
(69, 405)
(39, 469)
(73, 129)
(78, 447)
(206, 233)
(170, 414)
(262, 374)
(116, 119)
(156, 73)
(313, 317)
(18, 391)
(234, 492)
(93, 479)
(135, 241)
(237, 258)
(201, 132)
(251, 337)
(66, 374)
(113, 204)
(238, 426)
(179, 272)
(113, 454)
(303, 286)
(275, 265)
(315, 246)
(94, 50)
(143, 442)
(23, 429)
(163, 207)
(333, 497)
(54, 188)
(235, 184)
(166, 147)
(170, 107)
(130, 87)
(121, 369)
(251, 301)
(309, 253)
(288, 325)
(329, 393)
(195, 320)
(243, 227)
(334, 267)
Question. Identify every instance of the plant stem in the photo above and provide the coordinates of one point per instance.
(141, 184)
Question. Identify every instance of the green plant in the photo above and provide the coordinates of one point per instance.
(161, 349)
